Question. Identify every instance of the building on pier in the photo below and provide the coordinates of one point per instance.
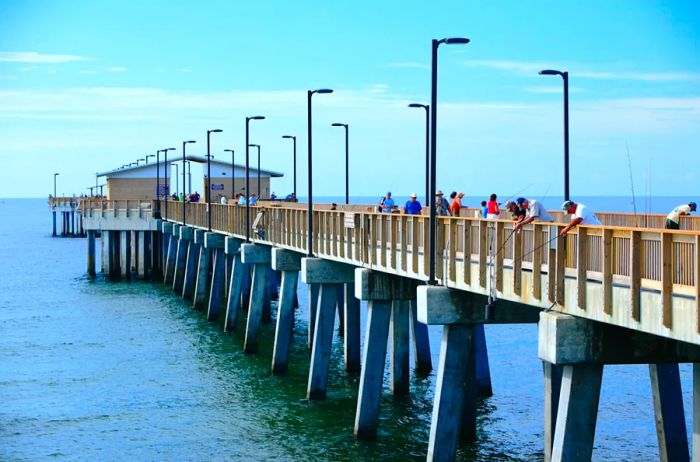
(139, 182)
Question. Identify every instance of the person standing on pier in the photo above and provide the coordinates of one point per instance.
(386, 204)
(673, 219)
(413, 207)
(534, 211)
(253, 199)
(440, 205)
(456, 204)
(492, 210)
(581, 214)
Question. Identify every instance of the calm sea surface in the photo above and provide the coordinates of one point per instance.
(99, 370)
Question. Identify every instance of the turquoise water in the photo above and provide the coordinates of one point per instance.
(100, 370)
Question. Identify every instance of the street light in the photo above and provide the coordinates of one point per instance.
(433, 145)
(565, 77)
(347, 163)
(149, 155)
(96, 179)
(189, 177)
(140, 160)
(294, 138)
(165, 177)
(247, 174)
(310, 218)
(209, 158)
(232, 171)
(54, 183)
(258, 189)
(177, 170)
(427, 147)
(184, 204)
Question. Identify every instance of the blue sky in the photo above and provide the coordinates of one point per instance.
(88, 86)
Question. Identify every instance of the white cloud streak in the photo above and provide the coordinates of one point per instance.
(38, 58)
(116, 69)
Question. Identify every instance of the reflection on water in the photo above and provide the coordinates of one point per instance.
(103, 370)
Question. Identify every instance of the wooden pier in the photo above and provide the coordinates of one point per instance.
(627, 292)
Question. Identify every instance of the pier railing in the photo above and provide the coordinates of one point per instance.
(91, 207)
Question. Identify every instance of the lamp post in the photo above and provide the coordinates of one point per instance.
(433, 145)
(140, 160)
(165, 177)
(96, 179)
(294, 138)
(177, 174)
(233, 190)
(149, 155)
(189, 176)
(157, 214)
(247, 174)
(209, 157)
(427, 147)
(54, 183)
(258, 188)
(184, 204)
(347, 163)
(310, 209)
(565, 77)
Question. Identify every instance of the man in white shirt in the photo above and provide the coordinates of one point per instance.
(534, 211)
(580, 214)
(224, 201)
(673, 219)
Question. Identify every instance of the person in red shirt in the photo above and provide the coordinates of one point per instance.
(456, 205)
(492, 208)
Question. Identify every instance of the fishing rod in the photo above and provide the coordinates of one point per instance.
(629, 167)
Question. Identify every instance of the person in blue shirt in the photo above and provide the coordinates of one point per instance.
(386, 204)
(241, 200)
(253, 199)
(413, 207)
(484, 209)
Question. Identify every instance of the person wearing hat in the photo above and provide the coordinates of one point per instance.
(516, 213)
(534, 211)
(413, 207)
(440, 205)
(386, 204)
(673, 219)
(580, 214)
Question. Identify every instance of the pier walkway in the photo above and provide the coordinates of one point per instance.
(626, 292)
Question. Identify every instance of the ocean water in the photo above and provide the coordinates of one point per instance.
(101, 370)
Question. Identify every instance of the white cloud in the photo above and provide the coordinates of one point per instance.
(580, 71)
(38, 58)
(116, 69)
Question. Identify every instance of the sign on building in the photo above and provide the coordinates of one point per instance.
(162, 189)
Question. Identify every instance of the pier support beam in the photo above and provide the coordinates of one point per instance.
(239, 270)
(259, 256)
(91, 252)
(183, 247)
(289, 264)
(386, 297)
(214, 242)
(125, 253)
(202, 283)
(154, 250)
(327, 274)
(313, 303)
(461, 355)
(351, 329)
(169, 239)
(142, 260)
(190, 279)
(421, 343)
(133, 253)
(54, 223)
(582, 347)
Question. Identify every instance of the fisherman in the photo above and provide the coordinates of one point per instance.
(534, 211)
(580, 215)
(441, 205)
(673, 219)
(412, 207)
(516, 213)
(386, 204)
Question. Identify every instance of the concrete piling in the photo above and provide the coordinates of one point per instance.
(54, 223)
(202, 282)
(142, 262)
(183, 246)
(91, 253)
(169, 230)
(133, 253)
(381, 291)
(552, 386)
(668, 409)
(232, 248)
(423, 362)
(351, 327)
(313, 306)
(328, 274)
(399, 347)
(260, 257)
(289, 264)
(215, 243)
(193, 250)
(481, 358)
(125, 253)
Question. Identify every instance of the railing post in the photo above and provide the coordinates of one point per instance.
(537, 245)
(635, 273)
(667, 278)
(581, 267)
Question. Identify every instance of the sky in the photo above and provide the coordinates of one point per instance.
(89, 86)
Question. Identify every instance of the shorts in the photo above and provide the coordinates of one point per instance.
(670, 224)
(492, 216)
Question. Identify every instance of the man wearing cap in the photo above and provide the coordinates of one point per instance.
(387, 203)
(673, 219)
(516, 212)
(413, 207)
(440, 205)
(534, 211)
(580, 214)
